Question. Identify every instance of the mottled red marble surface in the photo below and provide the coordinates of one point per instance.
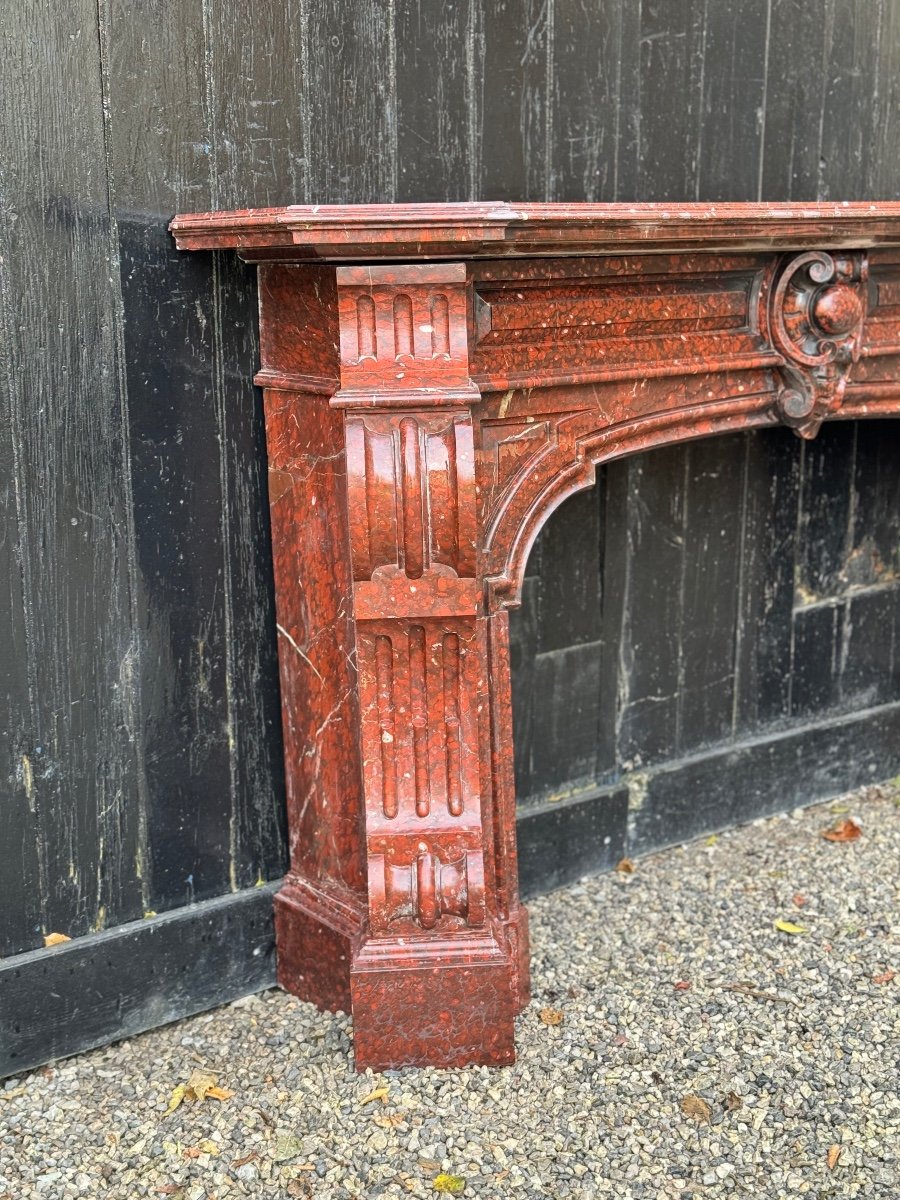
(432, 394)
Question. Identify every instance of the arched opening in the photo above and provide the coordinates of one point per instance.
(709, 634)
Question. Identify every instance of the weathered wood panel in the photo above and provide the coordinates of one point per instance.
(72, 783)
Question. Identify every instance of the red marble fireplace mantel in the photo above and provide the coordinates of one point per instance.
(437, 379)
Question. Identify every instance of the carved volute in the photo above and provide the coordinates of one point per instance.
(816, 316)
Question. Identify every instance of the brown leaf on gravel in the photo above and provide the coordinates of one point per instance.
(799, 899)
(380, 1093)
(200, 1086)
(885, 977)
(683, 985)
(844, 831)
(552, 1016)
(834, 1153)
(625, 866)
(733, 1102)
(300, 1187)
(248, 1158)
(389, 1120)
(696, 1108)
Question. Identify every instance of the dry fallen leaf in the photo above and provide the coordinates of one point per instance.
(299, 1187)
(452, 1185)
(389, 1120)
(799, 899)
(886, 977)
(428, 1164)
(248, 1158)
(200, 1086)
(790, 927)
(696, 1107)
(287, 1146)
(683, 985)
(176, 1097)
(380, 1093)
(844, 831)
(56, 939)
(551, 1016)
(834, 1153)
(733, 1102)
(12, 1093)
(626, 866)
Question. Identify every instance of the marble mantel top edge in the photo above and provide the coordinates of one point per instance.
(485, 230)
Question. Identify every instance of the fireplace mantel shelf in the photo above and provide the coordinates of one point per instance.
(437, 379)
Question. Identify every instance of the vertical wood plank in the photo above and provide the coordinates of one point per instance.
(768, 552)
(861, 61)
(649, 651)
(20, 865)
(793, 102)
(161, 64)
(517, 73)
(711, 572)
(350, 100)
(711, 56)
(76, 761)
(433, 119)
(594, 76)
(671, 41)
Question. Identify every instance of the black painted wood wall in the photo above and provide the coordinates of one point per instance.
(690, 653)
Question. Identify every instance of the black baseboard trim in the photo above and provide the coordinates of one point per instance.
(705, 793)
(112, 985)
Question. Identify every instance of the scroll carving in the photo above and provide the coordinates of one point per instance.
(816, 316)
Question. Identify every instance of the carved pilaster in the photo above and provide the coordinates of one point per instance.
(435, 929)
(816, 315)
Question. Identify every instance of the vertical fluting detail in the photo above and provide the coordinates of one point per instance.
(365, 328)
(418, 699)
(451, 722)
(440, 327)
(403, 327)
(384, 668)
(413, 517)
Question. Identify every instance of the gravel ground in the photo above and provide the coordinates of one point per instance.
(701, 1052)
